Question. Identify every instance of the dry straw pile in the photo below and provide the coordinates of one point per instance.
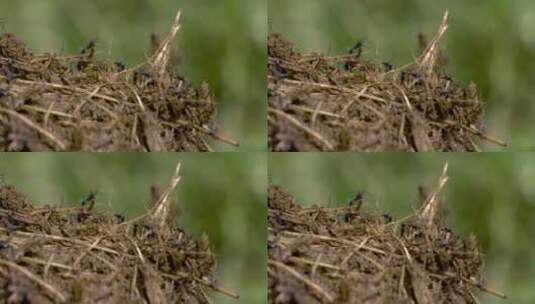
(340, 103)
(54, 254)
(74, 102)
(345, 255)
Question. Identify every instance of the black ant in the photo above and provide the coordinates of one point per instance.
(357, 200)
(90, 198)
(387, 66)
(89, 47)
(120, 66)
(119, 217)
(387, 218)
(10, 223)
(355, 203)
(278, 71)
(88, 52)
(357, 49)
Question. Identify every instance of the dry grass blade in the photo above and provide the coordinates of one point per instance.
(39, 129)
(431, 206)
(161, 209)
(429, 57)
(161, 57)
(51, 289)
(305, 280)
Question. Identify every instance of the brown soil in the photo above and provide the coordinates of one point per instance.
(55, 254)
(346, 255)
(75, 102)
(322, 103)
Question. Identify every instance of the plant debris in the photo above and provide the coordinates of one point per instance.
(76, 102)
(346, 255)
(54, 254)
(341, 103)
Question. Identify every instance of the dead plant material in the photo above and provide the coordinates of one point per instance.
(76, 102)
(55, 254)
(321, 103)
(347, 255)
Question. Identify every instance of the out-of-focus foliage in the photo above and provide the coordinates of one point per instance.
(490, 195)
(221, 42)
(222, 195)
(490, 42)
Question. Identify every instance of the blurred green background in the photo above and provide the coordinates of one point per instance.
(490, 195)
(222, 195)
(221, 42)
(490, 42)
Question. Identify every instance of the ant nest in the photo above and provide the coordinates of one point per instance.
(345, 255)
(75, 102)
(345, 103)
(55, 254)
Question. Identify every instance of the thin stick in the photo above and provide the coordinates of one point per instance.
(485, 136)
(51, 112)
(53, 291)
(303, 127)
(162, 206)
(429, 56)
(81, 256)
(337, 88)
(60, 238)
(161, 58)
(314, 263)
(338, 240)
(319, 112)
(39, 129)
(304, 279)
(486, 289)
(431, 206)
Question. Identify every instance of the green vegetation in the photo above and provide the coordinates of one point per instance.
(490, 195)
(222, 195)
(490, 42)
(221, 42)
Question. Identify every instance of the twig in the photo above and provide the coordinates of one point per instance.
(429, 55)
(430, 207)
(303, 127)
(162, 206)
(318, 112)
(39, 129)
(485, 288)
(485, 136)
(304, 279)
(161, 57)
(53, 291)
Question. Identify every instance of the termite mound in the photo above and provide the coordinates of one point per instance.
(348, 255)
(347, 103)
(76, 102)
(57, 254)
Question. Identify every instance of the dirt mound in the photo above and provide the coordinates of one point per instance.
(79, 255)
(345, 255)
(75, 102)
(341, 103)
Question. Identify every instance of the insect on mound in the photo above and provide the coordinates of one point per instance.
(76, 102)
(346, 103)
(55, 254)
(347, 255)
